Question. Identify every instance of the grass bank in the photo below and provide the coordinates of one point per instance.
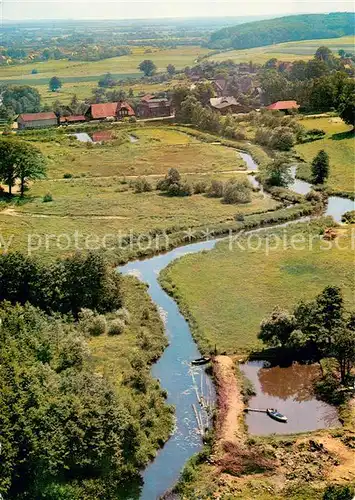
(339, 143)
(226, 292)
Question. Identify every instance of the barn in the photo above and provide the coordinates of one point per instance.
(37, 120)
(108, 110)
(151, 107)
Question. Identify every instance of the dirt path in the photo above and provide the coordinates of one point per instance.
(11, 212)
(345, 471)
(230, 403)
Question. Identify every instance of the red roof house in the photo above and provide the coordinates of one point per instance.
(283, 105)
(37, 120)
(110, 110)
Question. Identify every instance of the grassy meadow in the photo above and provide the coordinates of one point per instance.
(289, 51)
(339, 143)
(100, 200)
(156, 151)
(120, 67)
(228, 291)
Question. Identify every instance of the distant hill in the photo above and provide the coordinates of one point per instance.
(283, 29)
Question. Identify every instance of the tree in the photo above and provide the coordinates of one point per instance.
(323, 54)
(341, 53)
(30, 164)
(271, 63)
(320, 167)
(171, 69)
(343, 350)
(20, 160)
(186, 111)
(275, 330)
(203, 92)
(147, 67)
(316, 68)
(107, 81)
(298, 70)
(21, 99)
(278, 173)
(55, 84)
(346, 105)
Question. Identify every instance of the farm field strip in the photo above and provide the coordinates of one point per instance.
(288, 51)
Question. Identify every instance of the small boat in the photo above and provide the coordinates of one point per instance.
(201, 361)
(276, 415)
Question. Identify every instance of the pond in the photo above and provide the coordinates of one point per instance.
(290, 391)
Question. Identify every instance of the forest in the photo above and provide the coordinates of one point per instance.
(285, 29)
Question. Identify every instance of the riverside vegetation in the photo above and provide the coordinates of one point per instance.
(77, 343)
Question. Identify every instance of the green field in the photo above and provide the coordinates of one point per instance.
(83, 90)
(228, 291)
(120, 67)
(339, 143)
(156, 151)
(289, 51)
(103, 202)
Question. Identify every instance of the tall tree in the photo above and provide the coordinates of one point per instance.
(20, 160)
(147, 67)
(320, 167)
(324, 54)
(278, 172)
(55, 84)
(171, 69)
(346, 106)
(31, 164)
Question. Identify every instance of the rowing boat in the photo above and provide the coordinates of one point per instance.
(276, 415)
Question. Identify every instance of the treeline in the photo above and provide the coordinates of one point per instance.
(67, 286)
(284, 29)
(68, 432)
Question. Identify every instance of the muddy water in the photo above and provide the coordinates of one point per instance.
(289, 390)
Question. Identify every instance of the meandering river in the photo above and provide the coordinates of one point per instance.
(173, 368)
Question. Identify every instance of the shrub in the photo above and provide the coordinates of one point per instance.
(282, 140)
(316, 132)
(200, 187)
(172, 177)
(179, 189)
(97, 326)
(67, 176)
(237, 192)
(314, 197)
(142, 185)
(132, 119)
(47, 198)
(124, 315)
(216, 189)
(239, 217)
(349, 217)
(240, 135)
(339, 492)
(116, 327)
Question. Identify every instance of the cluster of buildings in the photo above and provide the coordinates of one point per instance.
(148, 107)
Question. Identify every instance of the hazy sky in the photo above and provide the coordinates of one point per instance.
(117, 9)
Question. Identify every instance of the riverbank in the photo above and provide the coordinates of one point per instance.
(242, 467)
